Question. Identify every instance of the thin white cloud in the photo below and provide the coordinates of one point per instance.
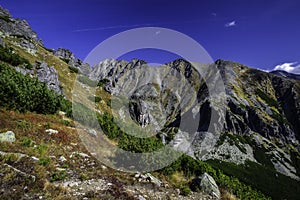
(111, 27)
(293, 67)
(214, 14)
(230, 24)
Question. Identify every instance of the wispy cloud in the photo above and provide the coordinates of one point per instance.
(111, 27)
(230, 24)
(137, 25)
(293, 67)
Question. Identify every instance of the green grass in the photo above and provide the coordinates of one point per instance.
(7, 55)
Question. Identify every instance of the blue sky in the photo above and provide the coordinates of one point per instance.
(259, 33)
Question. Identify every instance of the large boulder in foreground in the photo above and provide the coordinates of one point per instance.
(207, 184)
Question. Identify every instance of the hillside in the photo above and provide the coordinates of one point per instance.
(245, 135)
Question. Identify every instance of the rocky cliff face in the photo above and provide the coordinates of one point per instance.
(260, 107)
(70, 59)
(45, 74)
(18, 35)
(16, 27)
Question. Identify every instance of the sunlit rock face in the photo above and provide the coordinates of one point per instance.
(167, 97)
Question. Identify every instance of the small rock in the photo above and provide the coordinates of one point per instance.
(60, 169)
(84, 155)
(62, 159)
(61, 113)
(51, 131)
(140, 197)
(35, 158)
(8, 136)
(92, 132)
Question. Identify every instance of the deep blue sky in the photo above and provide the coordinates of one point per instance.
(266, 32)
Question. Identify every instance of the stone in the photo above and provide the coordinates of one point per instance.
(45, 74)
(8, 136)
(93, 132)
(51, 131)
(69, 58)
(35, 158)
(153, 179)
(28, 45)
(84, 155)
(48, 75)
(140, 197)
(62, 159)
(207, 184)
(18, 27)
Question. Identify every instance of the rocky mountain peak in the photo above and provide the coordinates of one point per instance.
(4, 12)
(16, 27)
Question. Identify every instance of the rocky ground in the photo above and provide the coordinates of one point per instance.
(47, 161)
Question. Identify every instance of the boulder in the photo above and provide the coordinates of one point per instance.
(48, 74)
(8, 136)
(207, 184)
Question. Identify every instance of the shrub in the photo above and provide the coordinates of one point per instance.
(103, 82)
(22, 93)
(44, 161)
(27, 142)
(65, 60)
(185, 191)
(7, 55)
(95, 99)
(59, 175)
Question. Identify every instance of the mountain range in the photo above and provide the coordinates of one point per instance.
(239, 120)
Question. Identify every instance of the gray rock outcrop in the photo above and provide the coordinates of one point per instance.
(70, 59)
(16, 27)
(45, 74)
(48, 74)
(207, 184)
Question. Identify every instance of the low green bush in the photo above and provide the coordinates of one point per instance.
(7, 55)
(23, 93)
